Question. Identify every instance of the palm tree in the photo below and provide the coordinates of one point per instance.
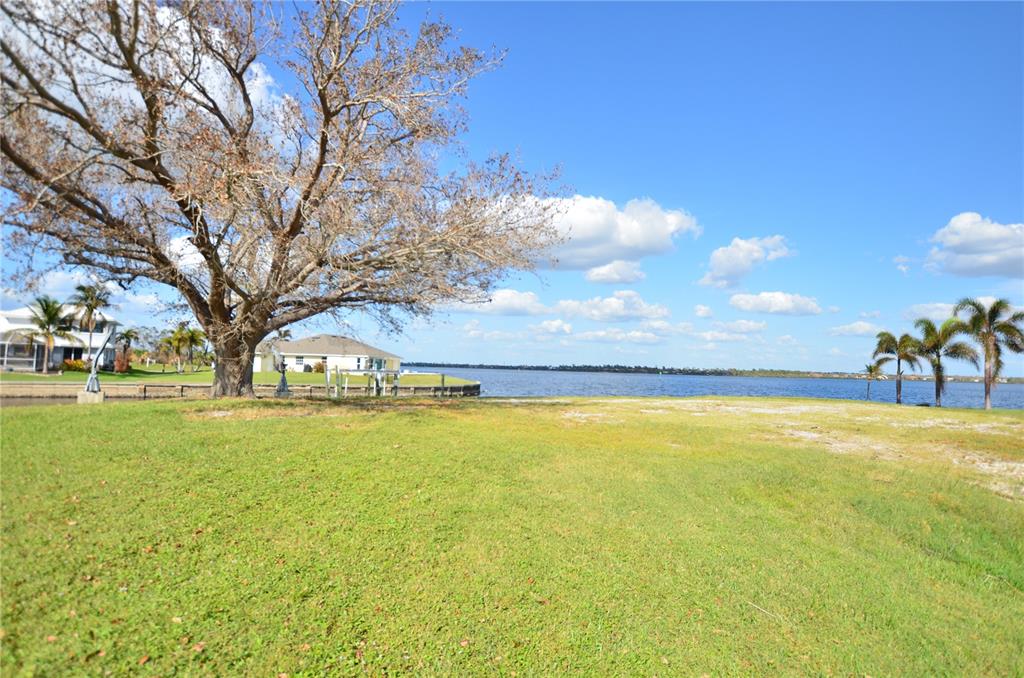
(126, 338)
(191, 339)
(938, 342)
(873, 371)
(50, 320)
(993, 327)
(902, 350)
(88, 300)
(171, 344)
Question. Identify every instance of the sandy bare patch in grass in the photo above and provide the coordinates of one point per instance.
(528, 401)
(589, 417)
(846, 444)
(254, 413)
(999, 428)
(706, 405)
(1005, 477)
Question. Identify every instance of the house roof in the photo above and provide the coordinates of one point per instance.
(24, 313)
(325, 344)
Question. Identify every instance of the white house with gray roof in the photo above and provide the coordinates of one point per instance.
(17, 352)
(300, 355)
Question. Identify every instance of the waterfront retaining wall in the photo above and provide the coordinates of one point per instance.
(10, 389)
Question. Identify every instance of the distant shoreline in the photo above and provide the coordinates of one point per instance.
(701, 372)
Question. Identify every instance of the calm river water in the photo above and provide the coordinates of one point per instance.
(496, 383)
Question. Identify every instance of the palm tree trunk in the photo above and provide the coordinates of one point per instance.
(899, 382)
(939, 377)
(46, 358)
(89, 356)
(869, 388)
(988, 381)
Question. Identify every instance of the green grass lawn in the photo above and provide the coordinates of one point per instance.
(603, 536)
(154, 374)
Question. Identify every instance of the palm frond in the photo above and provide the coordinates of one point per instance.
(968, 303)
(995, 311)
(961, 350)
(886, 344)
(1011, 335)
(926, 326)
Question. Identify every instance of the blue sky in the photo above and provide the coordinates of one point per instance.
(801, 175)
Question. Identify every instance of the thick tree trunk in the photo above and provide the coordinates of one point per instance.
(232, 376)
(939, 377)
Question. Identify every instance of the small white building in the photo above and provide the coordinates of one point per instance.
(17, 353)
(300, 355)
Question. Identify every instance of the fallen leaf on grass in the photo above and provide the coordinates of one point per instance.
(199, 647)
(51, 639)
(464, 642)
(143, 660)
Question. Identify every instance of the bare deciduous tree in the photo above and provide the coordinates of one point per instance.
(142, 140)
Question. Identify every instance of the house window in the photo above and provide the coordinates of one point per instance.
(359, 363)
(300, 360)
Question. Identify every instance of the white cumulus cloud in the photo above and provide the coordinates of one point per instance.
(597, 232)
(506, 302)
(664, 327)
(715, 335)
(618, 271)
(742, 326)
(556, 326)
(972, 245)
(729, 264)
(622, 305)
(473, 330)
(702, 311)
(859, 328)
(781, 303)
(939, 311)
(617, 335)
